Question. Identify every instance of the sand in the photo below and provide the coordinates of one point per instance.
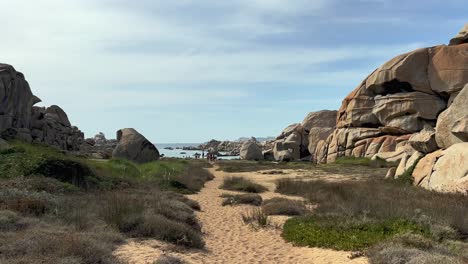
(229, 240)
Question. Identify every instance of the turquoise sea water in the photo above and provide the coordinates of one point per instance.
(179, 153)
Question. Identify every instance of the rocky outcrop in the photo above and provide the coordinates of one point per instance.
(134, 146)
(299, 141)
(20, 119)
(16, 99)
(51, 126)
(400, 103)
(98, 147)
(461, 37)
(250, 150)
(444, 170)
(424, 141)
(452, 124)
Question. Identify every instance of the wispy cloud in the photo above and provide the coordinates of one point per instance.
(147, 58)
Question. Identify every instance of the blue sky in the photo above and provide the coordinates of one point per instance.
(192, 70)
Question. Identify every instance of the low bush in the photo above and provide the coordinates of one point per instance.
(165, 259)
(47, 245)
(284, 206)
(356, 215)
(380, 200)
(248, 198)
(11, 221)
(176, 211)
(242, 185)
(31, 203)
(162, 228)
(256, 217)
(374, 163)
(249, 166)
(410, 248)
(123, 212)
(345, 234)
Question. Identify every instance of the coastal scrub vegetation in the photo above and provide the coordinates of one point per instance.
(247, 198)
(284, 206)
(378, 216)
(242, 184)
(249, 166)
(56, 207)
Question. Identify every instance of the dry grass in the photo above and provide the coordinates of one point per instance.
(57, 208)
(165, 259)
(241, 184)
(236, 199)
(284, 206)
(256, 217)
(370, 214)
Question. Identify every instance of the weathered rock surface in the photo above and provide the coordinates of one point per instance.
(51, 126)
(452, 124)
(250, 150)
(424, 141)
(20, 119)
(461, 37)
(424, 167)
(16, 99)
(286, 151)
(407, 94)
(444, 170)
(299, 141)
(134, 147)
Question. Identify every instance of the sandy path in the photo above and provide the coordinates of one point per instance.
(229, 240)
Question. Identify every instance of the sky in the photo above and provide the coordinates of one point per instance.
(190, 70)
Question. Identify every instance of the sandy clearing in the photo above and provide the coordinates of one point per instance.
(229, 240)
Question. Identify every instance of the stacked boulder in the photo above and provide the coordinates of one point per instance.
(250, 150)
(20, 119)
(135, 147)
(406, 110)
(299, 141)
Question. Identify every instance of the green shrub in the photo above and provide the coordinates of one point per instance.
(362, 161)
(380, 200)
(284, 206)
(345, 234)
(242, 184)
(248, 198)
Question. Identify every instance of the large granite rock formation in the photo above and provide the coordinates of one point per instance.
(299, 141)
(250, 150)
(20, 119)
(51, 126)
(410, 106)
(444, 170)
(402, 97)
(461, 37)
(134, 146)
(452, 124)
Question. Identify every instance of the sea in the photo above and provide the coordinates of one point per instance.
(177, 151)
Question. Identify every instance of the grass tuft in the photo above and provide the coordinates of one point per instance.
(242, 185)
(284, 206)
(236, 199)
